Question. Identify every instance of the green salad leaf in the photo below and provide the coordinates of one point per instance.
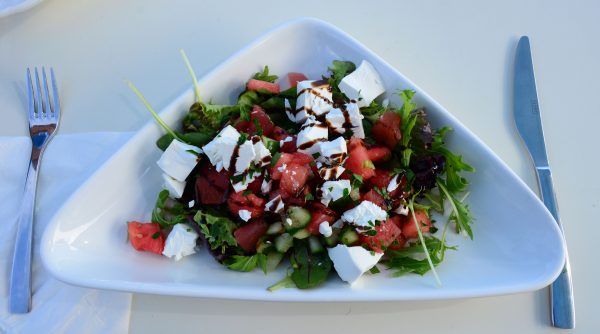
(217, 230)
(247, 263)
(167, 211)
(309, 269)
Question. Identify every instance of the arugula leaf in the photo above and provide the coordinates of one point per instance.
(152, 111)
(167, 211)
(207, 117)
(284, 283)
(310, 269)
(192, 74)
(460, 211)
(247, 263)
(339, 69)
(373, 111)
(265, 76)
(218, 230)
(410, 258)
(246, 101)
(454, 164)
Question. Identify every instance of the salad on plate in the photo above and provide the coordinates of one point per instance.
(319, 174)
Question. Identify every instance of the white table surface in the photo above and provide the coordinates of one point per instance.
(459, 51)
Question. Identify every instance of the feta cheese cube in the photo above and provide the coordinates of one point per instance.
(393, 184)
(336, 120)
(334, 190)
(365, 215)
(174, 187)
(220, 149)
(331, 173)
(351, 262)
(180, 242)
(356, 119)
(243, 184)
(177, 161)
(363, 85)
(333, 152)
(275, 205)
(401, 210)
(245, 215)
(311, 134)
(291, 114)
(325, 229)
(244, 158)
(262, 154)
(314, 98)
(265, 187)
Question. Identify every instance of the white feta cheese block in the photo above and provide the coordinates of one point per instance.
(174, 187)
(180, 242)
(285, 140)
(265, 186)
(356, 119)
(243, 184)
(314, 98)
(288, 111)
(262, 155)
(401, 210)
(333, 152)
(365, 215)
(220, 149)
(177, 162)
(244, 158)
(275, 205)
(363, 85)
(393, 184)
(331, 173)
(325, 229)
(335, 120)
(351, 262)
(334, 190)
(245, 215)
(312, 133)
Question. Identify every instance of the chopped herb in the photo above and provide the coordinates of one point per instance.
(275, 158)
(242, 139)
(265, 76)
(309, 197)
(368, 164)
(357, 180)
(374, 270)
(156, 235)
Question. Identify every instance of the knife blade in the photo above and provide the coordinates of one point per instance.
(529, 125)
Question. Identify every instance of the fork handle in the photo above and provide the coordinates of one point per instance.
(20, 276)
(561, 290)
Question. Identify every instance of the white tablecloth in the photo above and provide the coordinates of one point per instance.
(57, 307)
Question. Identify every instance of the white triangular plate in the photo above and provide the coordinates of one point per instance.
(517, 245)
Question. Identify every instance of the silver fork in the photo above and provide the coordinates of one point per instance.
(44, 116)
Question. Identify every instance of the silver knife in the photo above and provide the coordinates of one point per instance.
(529, 124)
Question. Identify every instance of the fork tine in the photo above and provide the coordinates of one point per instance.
(38, 99)
(55, 93)
(47, 105)
(30, 100)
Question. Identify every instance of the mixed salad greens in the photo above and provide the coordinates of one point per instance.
(325, 173)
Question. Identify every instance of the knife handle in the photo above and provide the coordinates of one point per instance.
(561, 290)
